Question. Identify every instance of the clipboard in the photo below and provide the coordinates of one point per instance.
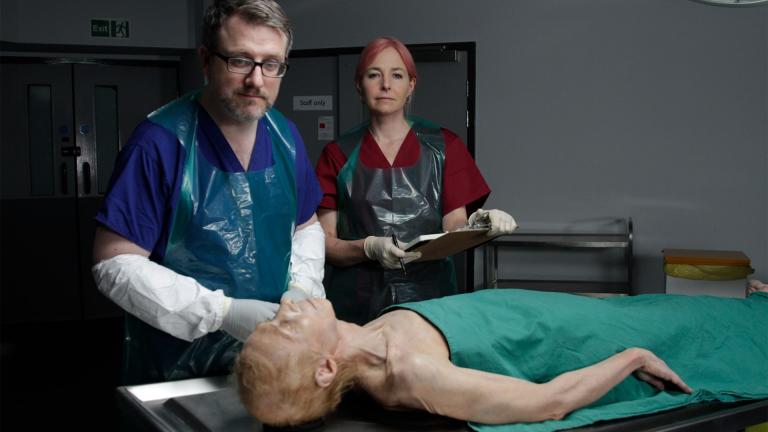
(441, 245)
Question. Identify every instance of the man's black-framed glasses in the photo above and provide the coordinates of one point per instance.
(244, 65)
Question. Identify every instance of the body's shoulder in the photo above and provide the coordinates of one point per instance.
(399, 320)
(416, 352)
(408, 372)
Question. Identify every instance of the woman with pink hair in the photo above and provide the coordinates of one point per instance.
(394, 177)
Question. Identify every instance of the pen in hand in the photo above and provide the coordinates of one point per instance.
(402, 263)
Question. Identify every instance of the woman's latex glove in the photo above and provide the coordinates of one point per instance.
(501, 222)
(245, 314)
(383, 250)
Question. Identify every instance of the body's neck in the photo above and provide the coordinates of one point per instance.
(364, 349)
(362, 345)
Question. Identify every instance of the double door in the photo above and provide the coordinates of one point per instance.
(61, 127)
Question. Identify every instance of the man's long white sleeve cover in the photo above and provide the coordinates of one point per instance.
(308, 259)
(157, 295)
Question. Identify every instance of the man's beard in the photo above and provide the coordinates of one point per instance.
(243, 112)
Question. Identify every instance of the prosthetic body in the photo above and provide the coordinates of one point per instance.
(417, 360)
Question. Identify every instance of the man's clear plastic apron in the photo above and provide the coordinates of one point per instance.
(404, 201)
(232, 231)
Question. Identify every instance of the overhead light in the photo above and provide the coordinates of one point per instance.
(734, 3)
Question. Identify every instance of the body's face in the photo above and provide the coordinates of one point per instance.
(386, 85)
(309, 324)
(284, 355)
(239, 97)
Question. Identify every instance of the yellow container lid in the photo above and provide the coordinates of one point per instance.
(705, 257)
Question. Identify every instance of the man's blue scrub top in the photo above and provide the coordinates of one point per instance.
(143, 192)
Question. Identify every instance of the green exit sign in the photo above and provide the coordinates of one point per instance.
(99, 28)
(111, 28)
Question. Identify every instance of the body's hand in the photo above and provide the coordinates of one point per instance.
(245, 314)
(501, 222)
(655, 372)
(755, 285)
(383, 250)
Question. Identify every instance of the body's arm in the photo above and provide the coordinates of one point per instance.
(468, 394)
(308, 258)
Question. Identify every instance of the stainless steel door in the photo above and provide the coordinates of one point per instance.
(36, 115)
(62, 126)
(441, 93)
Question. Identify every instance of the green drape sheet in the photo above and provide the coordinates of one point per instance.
(719, 346)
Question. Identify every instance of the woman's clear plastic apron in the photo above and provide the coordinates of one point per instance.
(404, 201)
(232, 231)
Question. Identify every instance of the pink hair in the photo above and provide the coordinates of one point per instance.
(378, 45)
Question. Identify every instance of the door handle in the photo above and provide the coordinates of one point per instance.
(86, 178)
(64, 175)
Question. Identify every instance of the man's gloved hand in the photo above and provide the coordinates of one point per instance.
(500, 221)
(383, 250)
(245, 314)
(295, 293)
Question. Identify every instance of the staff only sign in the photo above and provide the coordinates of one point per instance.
(312, 103)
